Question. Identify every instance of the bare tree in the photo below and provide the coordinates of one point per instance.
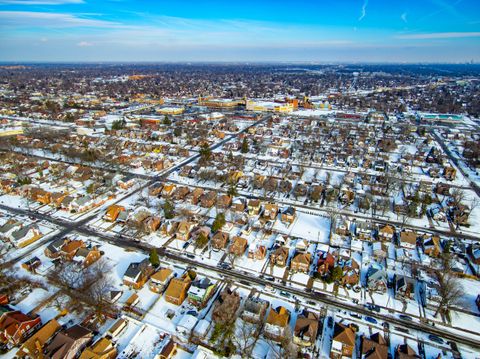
(246, 336)
(285, 348)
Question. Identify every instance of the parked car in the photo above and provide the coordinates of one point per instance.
(405, 317)
(371, 320)
(435, 338)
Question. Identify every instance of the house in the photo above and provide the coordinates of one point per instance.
(183, 230)
(9, 227)
(219, 240)
(386, 232)
(80, 204)
(254, 309)
(325, 264)
(196, 195)
(132, 301)
(377, 278)
(408, 239)
(33, 346)
(257, 252)
(431, 246)
(26, 235)
(160, 279)
(168, 190)
(151, 224)
(53, 249)
(343, 341)
(277, 323)
(200, 292)
(279, 256)
(306, 328)
(137, 274)
(69, 248)
(238, 204)
(169, 350)
(270, 211)
(185, 326)
(181, 193)
(68, 343)
(41, 196)
(87, 256)
(253, 207)
(102, 349)
(404, 288)
(112, 213)
(15, 326)
(117, 328)
(32, 264)
(208, 199)
(224, 201)
(288, 215)
(449, 173)
(405, 351)
(375, 347)
(301, 262)
(238, 246)
(178, 288)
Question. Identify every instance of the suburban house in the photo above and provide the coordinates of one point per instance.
(326, 262)
(377, 278)
(375, 347)
(301, 262)
(306, 328)
(343, 342)
(178, 288)
(117, 328)
(208, 199)
(253, 207)
(15, 326)
(238, 246)
(219, 240)
(137, 274)
(68, 343)
(279, 256)
(386, 233)
(102, 349)
(288, 215)
(270, 211)
(257, 252)
(183, 230)
(112, 212)
(405, 351)
(254, 309)
(277, 322)
(26, 235)
(200, 292)
(160, 279)
(226, 306)
(408, 239)
(404, 288)
(33, 346)
(86, 256)
(431, 246)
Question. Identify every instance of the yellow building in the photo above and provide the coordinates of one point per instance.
(267, 106)
(170, 110)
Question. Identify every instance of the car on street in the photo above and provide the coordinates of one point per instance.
(435, 338)
(405, 317)
(371, 320)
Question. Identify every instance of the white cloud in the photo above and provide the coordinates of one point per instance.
(364, 10)
(40, 2)
(439, 35)
(404, 17)
(50, 20)
(84, 44)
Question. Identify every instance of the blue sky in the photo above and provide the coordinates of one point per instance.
(261, 30)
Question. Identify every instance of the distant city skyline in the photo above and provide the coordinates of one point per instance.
(248, 31)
